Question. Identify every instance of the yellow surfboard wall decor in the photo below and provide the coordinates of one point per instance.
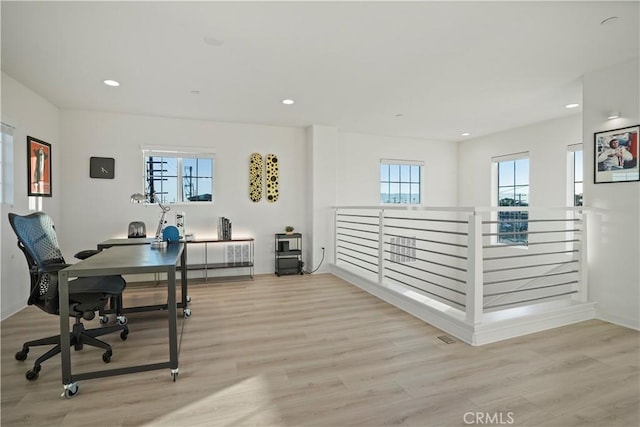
(255, 177)
(272, 185)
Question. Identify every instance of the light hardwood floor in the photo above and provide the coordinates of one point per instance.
(315, 351)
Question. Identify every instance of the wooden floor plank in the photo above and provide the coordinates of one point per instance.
(315, 351)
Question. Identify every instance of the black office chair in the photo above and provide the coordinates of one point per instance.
(37, 240)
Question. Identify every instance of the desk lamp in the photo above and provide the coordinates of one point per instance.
(158, 243)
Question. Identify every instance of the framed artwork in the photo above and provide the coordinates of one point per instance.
(102, 167)
(616, 155)
(38, 167)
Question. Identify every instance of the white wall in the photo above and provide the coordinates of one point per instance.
(614, 237)
(546, 143)
(31, 115)
(614, 250)
(358, 173)
(322, 167)
(98, 209)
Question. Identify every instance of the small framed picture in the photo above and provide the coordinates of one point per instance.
(38, 167)
(616, 155)
(102, 167)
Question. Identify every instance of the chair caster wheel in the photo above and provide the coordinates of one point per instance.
(124, 334)
(22, 354)
(70, 390)
(104, 320)
(187, 312)
(122, 320)
(106, 356)
(174, 374)
(188, 298)
(32, 374)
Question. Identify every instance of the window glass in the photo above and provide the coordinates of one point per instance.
(400, 182)
(384, 173)
(394, 192)
(513, 190)
(176, 179)
(394, 173)
(521, 169)
(405, 176)
(415, 173)
(505, 173)
(577, 164)
(576, 177)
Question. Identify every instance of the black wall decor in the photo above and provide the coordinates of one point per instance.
(102, 167)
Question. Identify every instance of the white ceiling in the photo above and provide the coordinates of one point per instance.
(446, 67)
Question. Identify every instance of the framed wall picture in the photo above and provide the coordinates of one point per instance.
(616, 155)
(38, 167)
(102, 167)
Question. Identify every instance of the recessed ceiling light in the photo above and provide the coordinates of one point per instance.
(465, 134)
(572, 106)
(613, 115)
(195, 92)
(288, 101)
(111, 83)
(609, 20)
(400, 115)
(212, 41)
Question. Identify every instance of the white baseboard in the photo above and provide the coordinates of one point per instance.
(618, 320)
(538, 318)
(496, 326)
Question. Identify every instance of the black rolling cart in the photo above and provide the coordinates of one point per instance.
(288, 254)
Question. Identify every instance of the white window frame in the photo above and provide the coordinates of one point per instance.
(403, 163)
(495, 189)
(179, 153)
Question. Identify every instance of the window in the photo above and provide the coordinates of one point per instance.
(575, 174)
(400, 182)
(178, 176)
(6, 164)
(513, 190)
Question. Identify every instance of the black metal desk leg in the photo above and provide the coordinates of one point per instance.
(173, 322)
(70, 388)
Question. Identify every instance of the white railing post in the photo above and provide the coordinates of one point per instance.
(335, 236)
(582, 286)
(381, 262)
(475, 290)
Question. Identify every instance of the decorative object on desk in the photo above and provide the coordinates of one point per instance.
(38, 167)
(272, 183)
(224, 228)
(288, 230)
(616, 155)
(255, 177)
(170, 234)
(102, 167)
(158, 243)
(180, 223)
(137, 229)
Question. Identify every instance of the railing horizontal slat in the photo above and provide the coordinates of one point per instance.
(428, 250)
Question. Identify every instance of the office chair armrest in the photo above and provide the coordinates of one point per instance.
(87, 253)
(53, 268)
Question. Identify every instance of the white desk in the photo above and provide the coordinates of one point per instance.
(130, 259)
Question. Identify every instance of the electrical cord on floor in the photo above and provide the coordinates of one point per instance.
(310, 272)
